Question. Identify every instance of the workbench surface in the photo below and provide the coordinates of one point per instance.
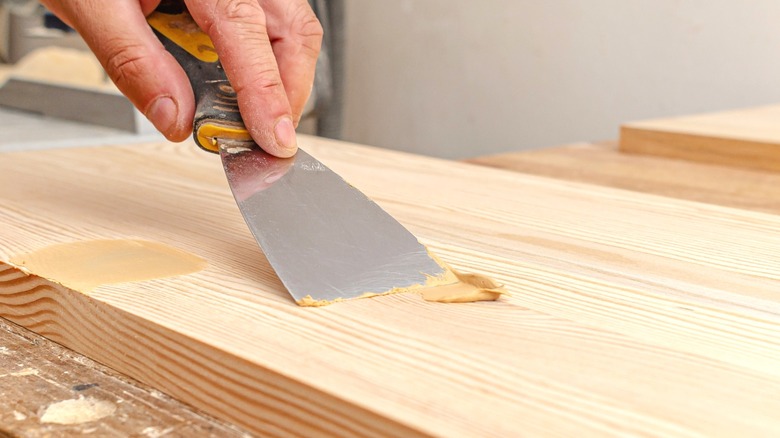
(629, 313)
(25, 131)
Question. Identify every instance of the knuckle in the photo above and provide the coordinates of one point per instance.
(239, 11)
(124, 61)
(306, 23)
(265, 81)
(306, 28)
(244, 19)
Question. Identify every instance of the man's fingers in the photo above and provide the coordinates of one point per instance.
(135, 60)
(147, 6)
(238, 30)
(296, 37)
(272, 75)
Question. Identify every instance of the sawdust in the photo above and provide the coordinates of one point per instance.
(77, 411)
(22, 373)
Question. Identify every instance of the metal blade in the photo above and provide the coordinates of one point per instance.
(324, 238)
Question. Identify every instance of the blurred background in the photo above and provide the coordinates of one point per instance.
(460, 78)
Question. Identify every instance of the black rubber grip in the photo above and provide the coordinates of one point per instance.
(217, 115)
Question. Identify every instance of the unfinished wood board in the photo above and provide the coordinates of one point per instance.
(68, 84)
(64, 66)
(39, 379)
(603, 164)
(746, 138)
(630, 314)
(94, 106)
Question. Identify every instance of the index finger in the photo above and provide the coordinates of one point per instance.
(239, 32)
(296, 37)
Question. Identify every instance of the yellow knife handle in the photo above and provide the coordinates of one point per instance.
(216, 106)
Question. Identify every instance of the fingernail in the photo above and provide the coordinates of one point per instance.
(162, 113)
(284, 131)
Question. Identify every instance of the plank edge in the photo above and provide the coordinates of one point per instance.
(700, 148)
(96, 330)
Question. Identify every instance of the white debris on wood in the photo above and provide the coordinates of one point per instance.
(76, 411)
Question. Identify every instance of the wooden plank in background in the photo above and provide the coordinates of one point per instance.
(629, 313)
(603, 164)
(746, 138)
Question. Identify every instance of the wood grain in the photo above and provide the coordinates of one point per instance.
(630, 314)
(603, 164)
(36, 374)
(746, 137)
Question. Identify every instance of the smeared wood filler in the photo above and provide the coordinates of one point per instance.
(450, 287)
(86, 265)
(469, 288)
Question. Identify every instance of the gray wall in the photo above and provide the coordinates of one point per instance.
(458, 78)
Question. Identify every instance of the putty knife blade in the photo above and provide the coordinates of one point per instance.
(324, 238)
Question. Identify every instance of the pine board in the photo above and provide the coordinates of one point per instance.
(745, 138)
(630, 313)
(603, 164)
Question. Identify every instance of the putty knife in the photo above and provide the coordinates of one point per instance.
(325, 239)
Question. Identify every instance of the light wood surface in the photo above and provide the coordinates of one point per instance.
(746, 137)
(630, 314)
(603, 164)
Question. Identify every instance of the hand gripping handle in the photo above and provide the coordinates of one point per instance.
(217, 116)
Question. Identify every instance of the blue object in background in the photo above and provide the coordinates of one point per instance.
(51, 21)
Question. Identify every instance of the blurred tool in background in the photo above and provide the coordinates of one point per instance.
(25, 25)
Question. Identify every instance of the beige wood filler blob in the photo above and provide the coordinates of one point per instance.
(85, 265)
(450, 287)
(469, 288)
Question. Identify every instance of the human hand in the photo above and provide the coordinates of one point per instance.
(268, 48)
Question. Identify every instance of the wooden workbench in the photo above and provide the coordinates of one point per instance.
(630, 313)
(36, 373)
